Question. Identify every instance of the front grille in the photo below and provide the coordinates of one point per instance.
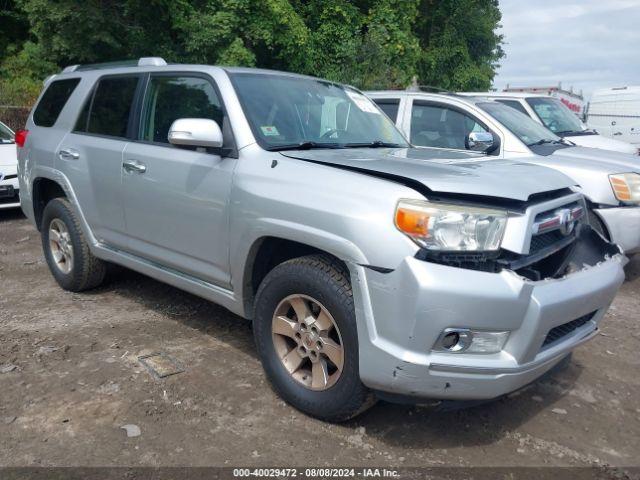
(540, 242)
(565, 329)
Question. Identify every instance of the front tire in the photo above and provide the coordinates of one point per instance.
(306, 336)
(66, 250)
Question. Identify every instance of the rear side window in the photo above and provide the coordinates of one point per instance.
(390, 107)
(53, 101)
(107, 113)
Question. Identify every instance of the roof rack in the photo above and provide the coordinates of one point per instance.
(141, 62)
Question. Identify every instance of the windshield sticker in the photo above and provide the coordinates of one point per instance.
(270, 131)
(362, 102)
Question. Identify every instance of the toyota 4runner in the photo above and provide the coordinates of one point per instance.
(369, 268)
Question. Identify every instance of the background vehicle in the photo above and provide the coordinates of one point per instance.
(554, 115)
(9, 192)
(615, 112)
(574, 101)
(610, 180)
(364, 265)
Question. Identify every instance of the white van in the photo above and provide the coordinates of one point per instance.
(615, 112)
(557, 117)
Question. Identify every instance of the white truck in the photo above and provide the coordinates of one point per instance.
(615, 112)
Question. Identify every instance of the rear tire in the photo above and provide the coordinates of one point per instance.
(303, 364)
(66, 250)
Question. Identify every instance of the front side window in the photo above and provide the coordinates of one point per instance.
(287, 111)
(441, 127)
(169, 98)
(555, 116)
(111, 106)
(513, 104)
(523, 126)
(53, 101)
(6, 135)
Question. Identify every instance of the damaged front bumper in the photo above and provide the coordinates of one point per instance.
(401, 315)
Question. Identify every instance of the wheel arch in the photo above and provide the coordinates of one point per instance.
(270, 251)
(43, 191)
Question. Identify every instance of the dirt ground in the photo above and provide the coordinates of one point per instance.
(77, 381)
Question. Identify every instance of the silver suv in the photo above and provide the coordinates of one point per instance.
(369, 268)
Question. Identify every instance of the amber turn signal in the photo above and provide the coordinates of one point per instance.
(412, 221)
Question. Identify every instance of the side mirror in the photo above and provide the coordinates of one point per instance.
(195, 132)
(480, 142)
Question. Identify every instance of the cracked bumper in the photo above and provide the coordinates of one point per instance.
(402, 313)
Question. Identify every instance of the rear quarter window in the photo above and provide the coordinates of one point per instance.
(53, 101)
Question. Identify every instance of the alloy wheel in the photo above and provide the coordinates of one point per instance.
(60, 245)
(307, 342)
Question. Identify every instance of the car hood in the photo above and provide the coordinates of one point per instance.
(604, 143)
(445, 171)
(593, 159)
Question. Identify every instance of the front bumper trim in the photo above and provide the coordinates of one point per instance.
(466, 369)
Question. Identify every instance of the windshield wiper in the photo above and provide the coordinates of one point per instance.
(543, 142)
(306, 145)
(374, 144)
(575, 133)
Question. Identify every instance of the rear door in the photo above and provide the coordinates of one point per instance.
(175, 199)
(91, 155)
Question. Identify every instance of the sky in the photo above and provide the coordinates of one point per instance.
(587, 44)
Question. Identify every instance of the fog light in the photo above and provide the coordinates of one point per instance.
(464, 340)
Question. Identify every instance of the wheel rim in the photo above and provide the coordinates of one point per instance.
(308, 342)
(60, 245)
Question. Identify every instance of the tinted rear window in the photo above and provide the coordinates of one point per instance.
(390, 107)
(53, 101)
(111, 106)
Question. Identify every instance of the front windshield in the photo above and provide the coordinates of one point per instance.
(286, 111)
(6, 135)
(521, 125)
(555, 115)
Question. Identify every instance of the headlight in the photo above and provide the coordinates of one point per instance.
(626, 187)
(456, 228)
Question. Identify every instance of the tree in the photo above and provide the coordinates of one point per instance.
(367, 43)
(460, 47)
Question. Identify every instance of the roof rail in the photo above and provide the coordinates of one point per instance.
(141, 62)
(427, 89)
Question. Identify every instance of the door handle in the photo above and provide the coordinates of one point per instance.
(134, 166)
(68, 154)
(617, 133)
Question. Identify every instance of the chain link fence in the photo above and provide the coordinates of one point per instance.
(14, 117)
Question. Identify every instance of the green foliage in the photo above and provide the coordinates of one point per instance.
(460, 47)
(367, 43)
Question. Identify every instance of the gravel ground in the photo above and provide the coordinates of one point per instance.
(70, 379)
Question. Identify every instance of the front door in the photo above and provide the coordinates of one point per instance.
(176, 199)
